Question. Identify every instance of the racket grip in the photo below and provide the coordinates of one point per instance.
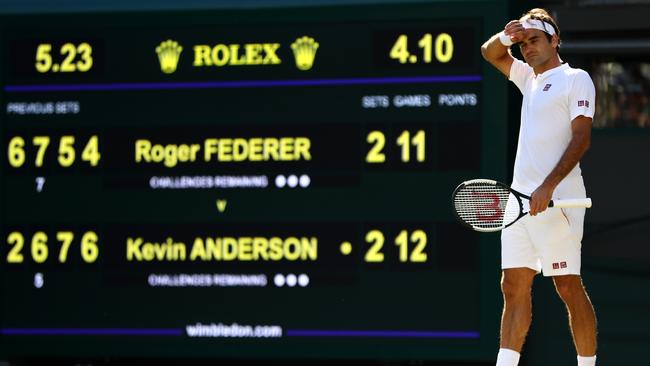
(571, 203)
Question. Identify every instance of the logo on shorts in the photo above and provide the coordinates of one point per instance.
(546, 87)
(558, 265)
(583, 103)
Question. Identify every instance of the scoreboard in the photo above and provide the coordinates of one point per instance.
(256, 183)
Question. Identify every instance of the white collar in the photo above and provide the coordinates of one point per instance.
(552, 71)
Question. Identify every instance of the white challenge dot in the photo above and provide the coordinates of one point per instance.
(305, 180)
(39, 280)
(292, 181)
(278, 280)
(303, 280)
(280, 181)
(291, 280)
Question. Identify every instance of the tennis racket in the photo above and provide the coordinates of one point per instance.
(486, 205)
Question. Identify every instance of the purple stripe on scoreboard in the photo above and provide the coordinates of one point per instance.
(242, 84)
(93, 331)
(382, 333)
(288, 332)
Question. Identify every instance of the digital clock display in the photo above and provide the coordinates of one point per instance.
(251, 183)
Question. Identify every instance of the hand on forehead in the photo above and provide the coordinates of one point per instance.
(530, 32)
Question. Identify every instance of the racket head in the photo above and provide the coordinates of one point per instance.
(486, 205)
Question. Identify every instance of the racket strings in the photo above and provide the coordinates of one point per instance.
(485, 205)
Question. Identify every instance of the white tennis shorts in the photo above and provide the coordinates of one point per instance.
(549, 242)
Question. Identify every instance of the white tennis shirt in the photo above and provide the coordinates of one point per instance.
(551, 101)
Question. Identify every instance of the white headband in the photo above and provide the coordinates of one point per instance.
(538, 24)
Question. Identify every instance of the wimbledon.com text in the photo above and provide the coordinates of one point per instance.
(233, 330)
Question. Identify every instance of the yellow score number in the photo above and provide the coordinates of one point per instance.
(377, 140)
(66, 151)
(74, 58)
(376, 240)
(442, 49)
(39, 248)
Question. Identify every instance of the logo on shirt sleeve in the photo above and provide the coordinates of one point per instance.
(583, 103)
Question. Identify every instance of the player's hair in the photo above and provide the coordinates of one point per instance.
(543, 15)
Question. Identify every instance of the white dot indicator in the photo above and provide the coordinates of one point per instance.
(292, 181)
(39, 280)
(303, 280)
(280, 181)
(305, 181)
(278, 280)
(291, 280)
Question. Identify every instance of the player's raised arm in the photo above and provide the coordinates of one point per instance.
(496, 50)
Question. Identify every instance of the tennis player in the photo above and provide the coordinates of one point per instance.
(555, 131)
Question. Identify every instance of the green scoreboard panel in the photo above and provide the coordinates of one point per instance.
(263, 183)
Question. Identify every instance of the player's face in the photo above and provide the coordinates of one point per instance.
(536, 48)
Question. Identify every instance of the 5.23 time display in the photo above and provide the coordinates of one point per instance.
(69, 57)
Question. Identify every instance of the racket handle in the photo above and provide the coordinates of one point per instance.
(571, 203)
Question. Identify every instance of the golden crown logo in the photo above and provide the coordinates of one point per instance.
(304, 50)
(169, 52)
